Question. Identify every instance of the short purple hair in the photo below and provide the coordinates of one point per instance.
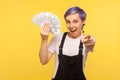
(74, 10)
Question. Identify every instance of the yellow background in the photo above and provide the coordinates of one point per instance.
(20, 38)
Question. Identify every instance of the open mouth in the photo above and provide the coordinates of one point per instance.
(73, 30)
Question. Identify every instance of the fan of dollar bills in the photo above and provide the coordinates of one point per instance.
(40, 18)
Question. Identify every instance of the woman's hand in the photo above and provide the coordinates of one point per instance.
(88, 41)
(44, 54)
(45, 31)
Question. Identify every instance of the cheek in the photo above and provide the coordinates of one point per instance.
(67, 25)
(79, 27)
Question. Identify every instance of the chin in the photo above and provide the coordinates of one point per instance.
(72, 35)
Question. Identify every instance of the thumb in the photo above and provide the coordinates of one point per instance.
(87, 37)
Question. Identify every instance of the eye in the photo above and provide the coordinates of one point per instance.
(67, 22)
(75, 21)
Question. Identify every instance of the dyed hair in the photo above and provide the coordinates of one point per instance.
(74, 10)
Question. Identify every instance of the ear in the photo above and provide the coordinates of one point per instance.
(83, 24)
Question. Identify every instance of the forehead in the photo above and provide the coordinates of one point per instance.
(73, 16)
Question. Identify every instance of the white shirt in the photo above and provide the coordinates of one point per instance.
(70, 48)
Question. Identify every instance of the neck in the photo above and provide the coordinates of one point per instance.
(72, 36)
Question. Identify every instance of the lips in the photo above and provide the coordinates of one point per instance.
(73, 30)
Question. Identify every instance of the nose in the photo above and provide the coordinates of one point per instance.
(71, 25)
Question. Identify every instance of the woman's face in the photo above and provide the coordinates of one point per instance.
(74, 25)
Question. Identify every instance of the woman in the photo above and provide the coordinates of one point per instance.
(71, 48)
